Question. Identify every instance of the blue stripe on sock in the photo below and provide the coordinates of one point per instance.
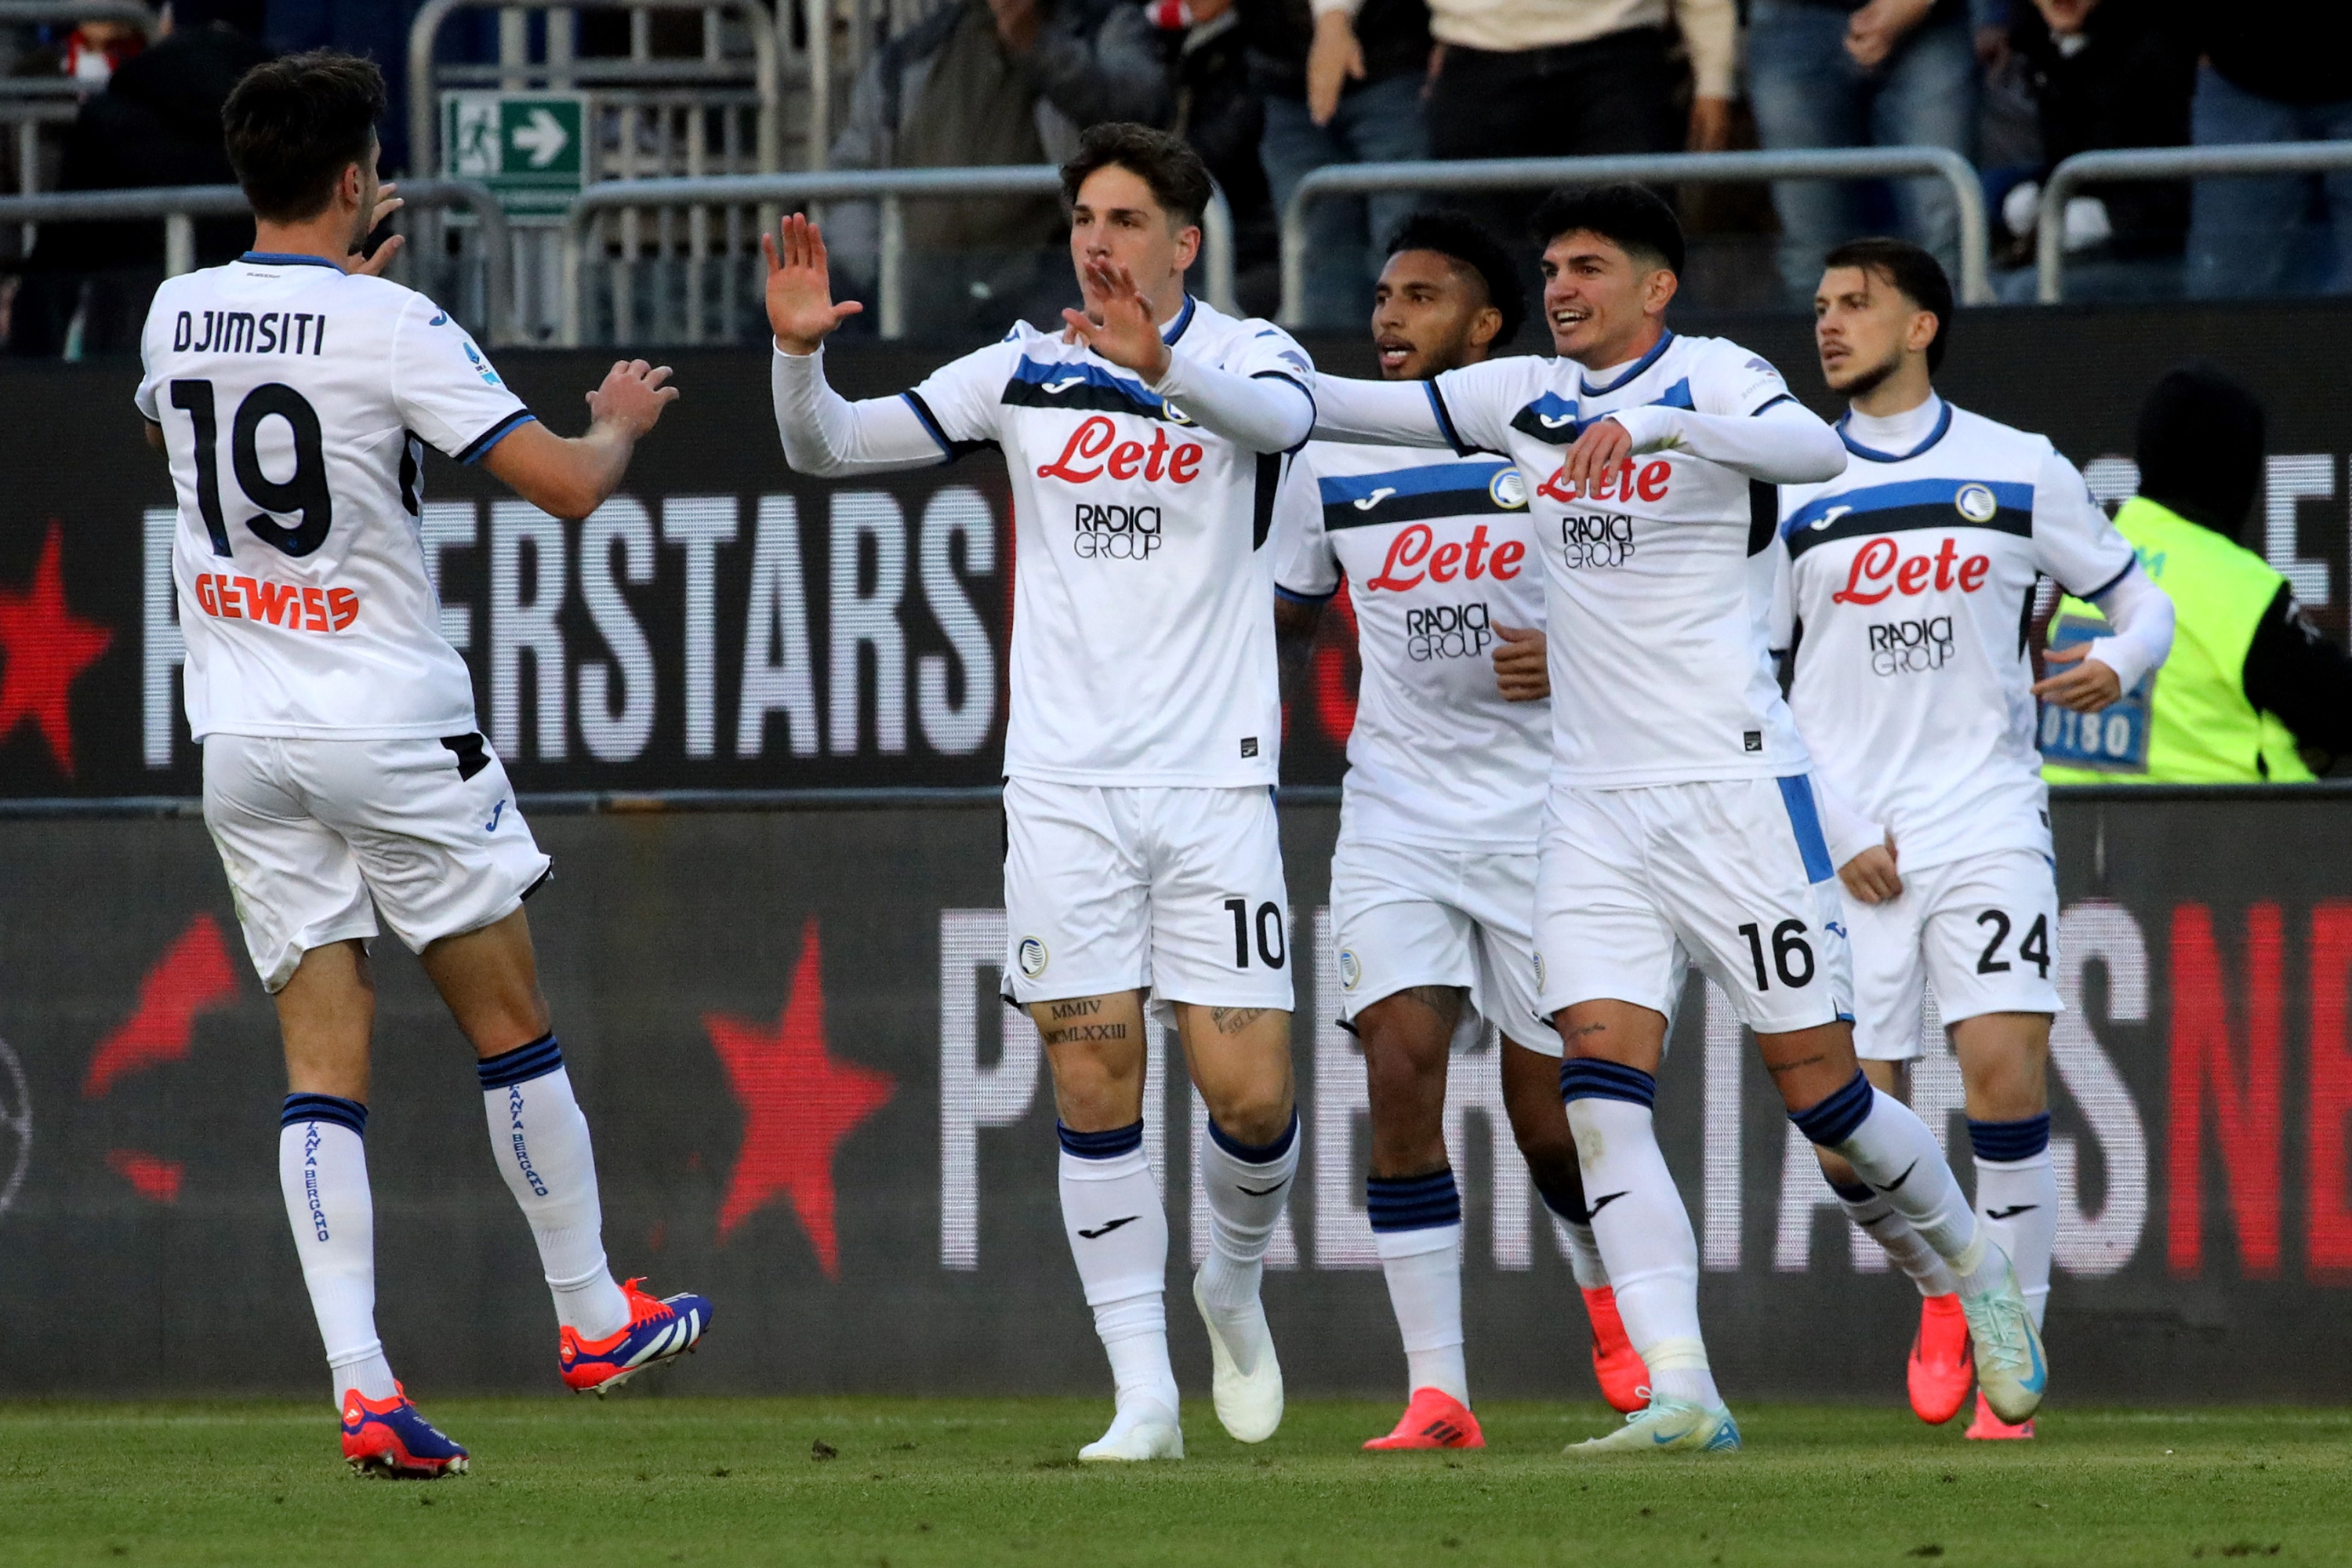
(1256, 1155)
(1412, 1202)
(1582, 1079)
(1854, 1193)
(1832, 1120)
(522, 1064)
(1575, 1214)
(347, 1113)
(1108, 1145)
(2009, 1140)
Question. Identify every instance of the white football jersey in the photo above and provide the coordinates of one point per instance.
(295, 401)
(1906, 589)
(1660, 579)
(1142, 612)
(1437, 551)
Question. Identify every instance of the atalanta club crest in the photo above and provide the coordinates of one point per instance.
(1032, 955)
(1976, 503)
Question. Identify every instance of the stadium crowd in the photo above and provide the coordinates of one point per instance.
(1269, 91)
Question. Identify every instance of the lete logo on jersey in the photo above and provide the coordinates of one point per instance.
(1620, 484)
(1880, 561)
(1415, 555)
(1126, 460)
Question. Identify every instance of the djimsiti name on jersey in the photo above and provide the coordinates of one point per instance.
(245, 333)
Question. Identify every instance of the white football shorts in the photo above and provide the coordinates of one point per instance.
(1983, 931)
(1114, 888)
(1733, 875)
(310, 829)
(1406, 915)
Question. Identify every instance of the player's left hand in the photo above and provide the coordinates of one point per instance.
(2087, 687)
(632, 397)
(1126, 335)
(1603, 445)
(1871, 876)
(388, 200)
(1522, 673)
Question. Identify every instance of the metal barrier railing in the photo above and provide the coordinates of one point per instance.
(2160, 163)
(889, 188)
(178, 207)
(29, 102)
(1661, 168)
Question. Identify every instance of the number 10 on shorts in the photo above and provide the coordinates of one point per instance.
(1791, 958)
(1269, 931)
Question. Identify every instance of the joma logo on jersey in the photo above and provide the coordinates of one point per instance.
(1911, 647)
(277, 604)
(1099, 437)
(1622, 483)
(1447, 631)
(1596, 539)
(1415, 554)
(1117, 532)
(1879, 562)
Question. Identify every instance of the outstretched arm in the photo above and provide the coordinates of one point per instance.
(1784, 443)
(572, 477)
(1391, 413)
(1257, 412)
(824, 433)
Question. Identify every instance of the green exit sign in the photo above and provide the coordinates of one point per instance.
(530, 148)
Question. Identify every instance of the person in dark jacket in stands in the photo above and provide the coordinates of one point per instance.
(157, 123)
(2275, 72)
(2252, 692)
(1222, 117)
(1342, 81)
(2105, 73)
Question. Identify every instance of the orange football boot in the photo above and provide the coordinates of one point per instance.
(1943, 1368)
(1988, 1425)
(1625, 1381)
(1434, 1420)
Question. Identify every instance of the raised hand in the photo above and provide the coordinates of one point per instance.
(1126, 335)
(387, 202)
(632, 397)
(800, 309)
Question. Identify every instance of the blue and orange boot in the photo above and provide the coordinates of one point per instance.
(388, 1438)
(657, 1332)
(1432, 1419)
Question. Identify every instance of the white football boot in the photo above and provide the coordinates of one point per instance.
(2011, 1371)
(1668, 1427)
(1141, 1430)
(1249, 1403)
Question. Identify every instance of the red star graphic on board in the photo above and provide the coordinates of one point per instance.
(798, 1102)
(43, 647)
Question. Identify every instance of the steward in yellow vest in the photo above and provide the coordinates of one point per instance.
(2250, 681)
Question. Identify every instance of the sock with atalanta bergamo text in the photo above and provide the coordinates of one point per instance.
(323, 1171)
(1890, 1147)
(2017, 1198)
(1417, 1230)
(1639, 1221)
(1118, 1229)
(541, 1140)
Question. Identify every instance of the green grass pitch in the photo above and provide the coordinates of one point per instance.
(888, 1483)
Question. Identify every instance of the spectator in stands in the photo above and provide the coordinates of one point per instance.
(1884, 73)
(157, 123)
(984, 82)
(2252, 693)
(1342, 83)
(1220, 115)
(2277, 72)
(2104, 73)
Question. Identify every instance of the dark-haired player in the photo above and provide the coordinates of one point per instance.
(1147, 441)
(1682, 825)
(1433, 881)
(1905, 585)
(294, 391)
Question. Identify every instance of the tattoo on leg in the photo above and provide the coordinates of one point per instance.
(1436, 998)
(1587, 1030)
(1086, 1009)
(1793, 1067)
(1233, 1020)
(1082, 1034)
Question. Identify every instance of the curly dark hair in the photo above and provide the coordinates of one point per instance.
(1466, 242)
(293, 125)
(1179, 180)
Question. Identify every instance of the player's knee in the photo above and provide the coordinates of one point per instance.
(1253, 1114)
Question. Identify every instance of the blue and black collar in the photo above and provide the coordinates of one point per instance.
(1943, 424)
(285, 258)
(1636, 368)
(1175, 329)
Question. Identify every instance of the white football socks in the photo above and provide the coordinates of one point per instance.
(541, 1140)
(2017, 1199)
(1583, 1252)
(1118, 1238)
(323, 1171)
(1902, 1245)
(1417, 1229)
(1890, 1148)
(1638, 1219)
(1247, 1190)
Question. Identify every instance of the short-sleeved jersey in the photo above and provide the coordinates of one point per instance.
(1907, 586)
(1142, 619)
(1660, 579)
(1436, 551)
(296, 400)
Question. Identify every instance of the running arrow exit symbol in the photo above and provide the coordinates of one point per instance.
(542, 137)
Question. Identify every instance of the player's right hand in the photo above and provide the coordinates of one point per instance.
(801, 310)
(1871, 875)
(1522, 667)
(632, 396)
